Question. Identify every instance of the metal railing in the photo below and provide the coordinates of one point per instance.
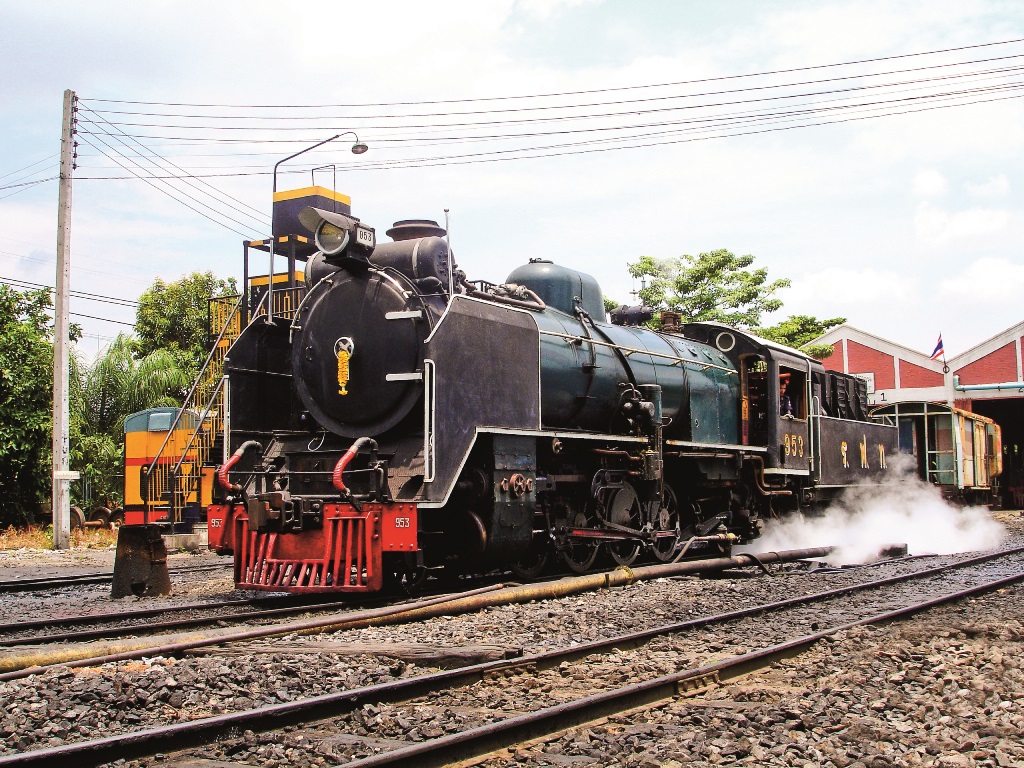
(175, 478)
(187, 473)
(285, 300)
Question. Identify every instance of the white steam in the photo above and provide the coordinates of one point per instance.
(868, 517)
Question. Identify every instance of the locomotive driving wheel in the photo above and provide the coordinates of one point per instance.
(580, 555)
(665, 521)
(406, 576)
(624, 512)
(533, 561)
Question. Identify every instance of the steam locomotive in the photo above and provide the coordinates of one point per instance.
(404, 419)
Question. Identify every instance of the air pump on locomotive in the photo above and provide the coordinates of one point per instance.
(404, 418)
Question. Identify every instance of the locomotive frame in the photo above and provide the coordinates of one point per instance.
(407, 420)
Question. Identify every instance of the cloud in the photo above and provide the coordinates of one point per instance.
(930, 184)
(840, 289)
(997, 186)
(985, 280)
(543, 10)
(935, 227)
(816, 203)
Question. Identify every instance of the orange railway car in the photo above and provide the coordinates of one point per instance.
(144, 434)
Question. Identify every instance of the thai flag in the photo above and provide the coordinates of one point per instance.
(939, 351)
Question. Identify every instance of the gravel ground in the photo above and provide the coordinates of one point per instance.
(489, 701)
(68, 705)
(207, 585)
(944, 689)
(43, 563)
(71, 705)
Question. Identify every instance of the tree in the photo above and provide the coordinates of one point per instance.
(712, 286)
(117, 385)
(799, 330)
(609, 305)
(717, 286)
(26, 402)
(174, 316)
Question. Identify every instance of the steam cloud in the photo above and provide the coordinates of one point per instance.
(868, 517)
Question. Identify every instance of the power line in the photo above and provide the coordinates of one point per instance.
(76, 314)
(25, 188)
(104, 319)
(29, 176)
(119, 276)
(28, 183)
(151, 175)
(544, 108)
(260, 216)
(76, 294)
(160, 189)
(170, 175)
(590, 116)
(593, 125)
(735, 117)
(571, 148)
(767, 115)
(447, 161)
(573, 93)
(32, 165)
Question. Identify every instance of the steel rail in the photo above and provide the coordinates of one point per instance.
(68, 656)
(39, 660)
(97, 618)
(195, 733)
(150, 628)
(192, 621)
(54, 582)
(310, 602)
(487, 738)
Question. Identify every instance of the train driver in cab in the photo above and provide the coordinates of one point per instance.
(785, 403)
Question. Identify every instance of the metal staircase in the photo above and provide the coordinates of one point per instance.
(174, 478)
(198, 437)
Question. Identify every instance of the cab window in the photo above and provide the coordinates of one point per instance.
(792, 388)
(160, 422)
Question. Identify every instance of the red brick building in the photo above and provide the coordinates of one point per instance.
(987, 379)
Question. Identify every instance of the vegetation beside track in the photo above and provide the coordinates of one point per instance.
(41, 537)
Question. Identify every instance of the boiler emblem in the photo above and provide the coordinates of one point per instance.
(343, 349)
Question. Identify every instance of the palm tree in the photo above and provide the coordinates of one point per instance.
(104, 394)
(118, 384)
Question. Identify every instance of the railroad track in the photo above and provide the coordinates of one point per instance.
(254, 609)
(245, 610)
(481, 706)
(135, 622)
(57, 582)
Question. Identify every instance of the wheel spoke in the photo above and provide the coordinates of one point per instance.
(580, 555)
(534, 560)
(666, 519)
(624, 511)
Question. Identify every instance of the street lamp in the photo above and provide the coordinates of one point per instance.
(358, 148)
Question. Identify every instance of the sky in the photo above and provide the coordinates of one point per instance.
(909, 225)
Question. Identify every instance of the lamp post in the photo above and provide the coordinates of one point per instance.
(358, 148)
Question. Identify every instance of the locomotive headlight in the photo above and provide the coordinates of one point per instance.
(331, 239)
(342, 238)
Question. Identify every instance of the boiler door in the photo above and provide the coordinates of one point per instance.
(351, 361)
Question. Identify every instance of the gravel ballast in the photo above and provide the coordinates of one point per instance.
(69, 705)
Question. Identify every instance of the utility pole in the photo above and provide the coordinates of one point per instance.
(61, 476)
